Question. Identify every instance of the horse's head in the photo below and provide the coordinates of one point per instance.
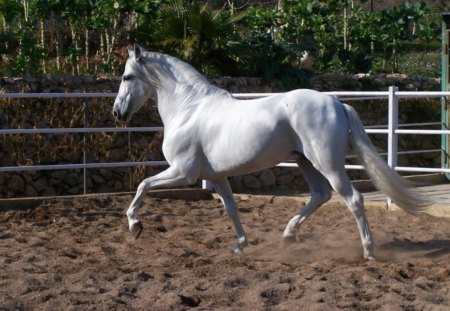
(134, 89)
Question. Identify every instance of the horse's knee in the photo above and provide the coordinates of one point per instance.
(322, 196)
(355, 198)
(357, 211)
(142, 186)
(358, 198)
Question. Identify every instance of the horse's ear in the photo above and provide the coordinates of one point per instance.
(137, 52)
(130, 51)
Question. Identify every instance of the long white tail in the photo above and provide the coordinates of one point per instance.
(384, 178)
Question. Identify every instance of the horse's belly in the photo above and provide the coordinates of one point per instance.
(247, 157)
(246, 137)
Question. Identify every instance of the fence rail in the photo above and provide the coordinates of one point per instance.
(391, 129)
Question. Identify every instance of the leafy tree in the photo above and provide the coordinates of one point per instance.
(265, 52)
(362, 37)
(398, 25)
(145, 18)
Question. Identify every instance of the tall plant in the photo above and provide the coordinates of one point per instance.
(19, 30)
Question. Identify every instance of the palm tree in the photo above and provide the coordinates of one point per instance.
(198, 35)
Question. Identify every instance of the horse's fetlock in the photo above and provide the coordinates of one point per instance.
(130, 213)
(242, 241)
(368, 243)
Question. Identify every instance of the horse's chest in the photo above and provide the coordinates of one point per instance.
(178, 143)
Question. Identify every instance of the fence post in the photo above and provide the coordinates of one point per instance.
(207, 185)
(84, 146)
(392, 147)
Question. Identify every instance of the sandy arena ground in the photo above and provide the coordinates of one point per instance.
(77, 254)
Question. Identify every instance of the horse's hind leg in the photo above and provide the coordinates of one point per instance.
(320, 193)
(226, 196)
(355, 203)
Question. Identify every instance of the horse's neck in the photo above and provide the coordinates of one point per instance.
(178, 102)
(174, 106)
(181, 90)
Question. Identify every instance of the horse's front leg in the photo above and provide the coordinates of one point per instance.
(226, 196)
(168, 178)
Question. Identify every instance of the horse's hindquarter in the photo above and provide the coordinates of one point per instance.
(322, 126)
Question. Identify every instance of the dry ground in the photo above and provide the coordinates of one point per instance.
(76, 254)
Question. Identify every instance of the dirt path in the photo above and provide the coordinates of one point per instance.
(78, 255)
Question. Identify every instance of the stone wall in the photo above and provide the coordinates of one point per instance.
(107, 147)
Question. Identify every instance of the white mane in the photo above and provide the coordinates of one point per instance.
(162, 69)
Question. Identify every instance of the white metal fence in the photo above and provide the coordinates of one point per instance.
(392, 129)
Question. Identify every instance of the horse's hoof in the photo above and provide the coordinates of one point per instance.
(136, 229)
(238, 249)
(370, 258)
(288, 240)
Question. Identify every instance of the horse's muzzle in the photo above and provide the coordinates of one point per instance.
(119, 116)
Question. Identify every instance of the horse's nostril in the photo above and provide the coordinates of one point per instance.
(119, 116)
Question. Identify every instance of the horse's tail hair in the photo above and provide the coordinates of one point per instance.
(384, 178)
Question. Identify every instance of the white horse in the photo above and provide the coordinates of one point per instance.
(210, 135)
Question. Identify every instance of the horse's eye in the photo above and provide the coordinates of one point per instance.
(126, 78)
